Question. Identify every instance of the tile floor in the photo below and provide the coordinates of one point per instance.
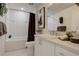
(21, 52)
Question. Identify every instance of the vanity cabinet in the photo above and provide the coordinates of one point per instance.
(43, 47)
(37, 47)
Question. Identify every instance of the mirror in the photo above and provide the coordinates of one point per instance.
(63, 15)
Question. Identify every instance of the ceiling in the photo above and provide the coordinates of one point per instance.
(57, 7)
(13, 5)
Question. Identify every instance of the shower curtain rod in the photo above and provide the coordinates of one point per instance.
(19, 10)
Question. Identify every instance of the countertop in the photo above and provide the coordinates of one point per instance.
(67, 44)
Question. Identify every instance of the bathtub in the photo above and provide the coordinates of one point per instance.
(15, 43)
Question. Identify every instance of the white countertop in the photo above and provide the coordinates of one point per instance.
(72, 46)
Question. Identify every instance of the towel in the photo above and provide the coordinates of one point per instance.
(1, 29)
(4, 28)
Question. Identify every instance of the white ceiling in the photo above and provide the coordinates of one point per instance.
(12, 5)
(57, 7)
(24, 5)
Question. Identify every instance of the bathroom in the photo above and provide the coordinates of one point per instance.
(40, 29)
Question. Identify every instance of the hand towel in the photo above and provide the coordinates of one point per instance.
(1, 29)
(4, 28)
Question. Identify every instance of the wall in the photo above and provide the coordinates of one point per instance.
(75, 18)
(67, 17)
(71, 17)
(52, 23)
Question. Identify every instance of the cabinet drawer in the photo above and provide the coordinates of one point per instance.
(63, 52)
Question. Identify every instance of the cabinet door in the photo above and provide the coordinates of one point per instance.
(47, 48)
(43, 47)
(37, 47)
(63, 52)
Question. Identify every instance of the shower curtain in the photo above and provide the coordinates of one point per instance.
(31, 27)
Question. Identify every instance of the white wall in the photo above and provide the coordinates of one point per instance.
(71, 17)
(67, 17)
(52, 23)
(75, 18)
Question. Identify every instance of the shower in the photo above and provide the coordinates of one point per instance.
(17, 29)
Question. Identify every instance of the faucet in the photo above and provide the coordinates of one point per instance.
(53, 33)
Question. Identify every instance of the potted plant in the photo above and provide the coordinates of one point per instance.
(3, 10)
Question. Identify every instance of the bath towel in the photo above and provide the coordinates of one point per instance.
(1, 29)
(4, 28)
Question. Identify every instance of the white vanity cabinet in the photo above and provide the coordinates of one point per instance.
(37, 47)
(43, 47)
(53, 47)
